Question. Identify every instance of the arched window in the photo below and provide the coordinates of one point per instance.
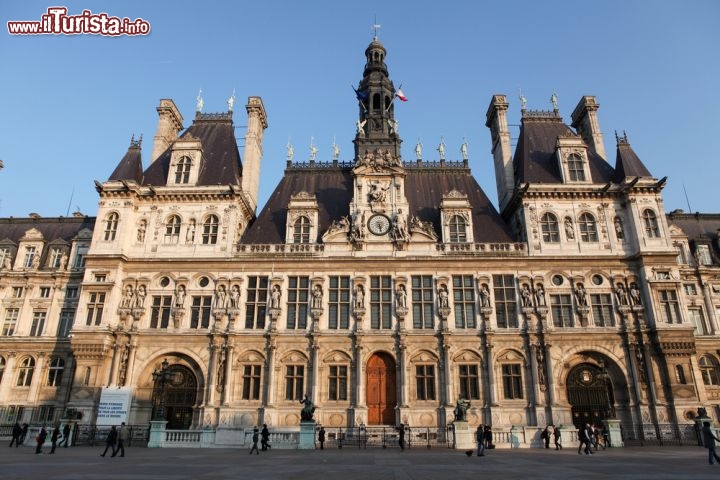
(182, 171)
(710, 370)
(301, 230)
(111, 224)
(549, 227)
(172, 229)
(651, 224)
(575, 168)
(25, 372)
(588, 228)
(210, 230)
(55, 372)
(458, 229)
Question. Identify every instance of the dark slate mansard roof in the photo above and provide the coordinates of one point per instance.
(333, 189)
(55, 230)
(220, 164)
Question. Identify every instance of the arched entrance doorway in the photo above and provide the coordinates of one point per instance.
(381, 389)
(590, 393)
(176, 397)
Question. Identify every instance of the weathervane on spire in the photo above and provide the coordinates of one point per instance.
(200, 103)
(375, 28)
(231, 101)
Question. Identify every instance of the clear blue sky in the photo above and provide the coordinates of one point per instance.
(71, 103)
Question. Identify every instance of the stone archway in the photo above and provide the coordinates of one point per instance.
(381, 389)
(590, 394)
(177, 397)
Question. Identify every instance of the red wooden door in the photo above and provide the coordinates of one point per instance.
(381, 390)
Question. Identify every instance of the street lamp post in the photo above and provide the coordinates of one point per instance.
(161, 377)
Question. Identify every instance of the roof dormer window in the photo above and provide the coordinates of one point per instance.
(182, 170)
(575, 168)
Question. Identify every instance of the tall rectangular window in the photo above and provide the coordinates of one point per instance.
(18, 292)
(425, 381)
(10, 321)
(561, 307)
(464, 301)
(339, 302)
(698, 321)
(160, 311)
(703, 254)
(422, 301)
(602, 309)
(505, 301)
(380, 302)
(257, 291)
(95, 308)
(294, 382)
(297, 305)
(338, 382)
(4, 254)
(45, 292)
(80, 257)
(251, 382)
(38, 323)
(55, 258)
(469, 382)
(200, 311)
(65, 322)
(30, 253)
(669, 308)
(512, 381)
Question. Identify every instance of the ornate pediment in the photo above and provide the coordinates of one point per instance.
(379, 160)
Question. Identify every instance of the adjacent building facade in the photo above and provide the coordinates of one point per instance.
(383, 288)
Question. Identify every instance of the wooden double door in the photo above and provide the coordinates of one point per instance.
(381, 389)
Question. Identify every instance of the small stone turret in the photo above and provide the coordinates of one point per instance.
(169, 125)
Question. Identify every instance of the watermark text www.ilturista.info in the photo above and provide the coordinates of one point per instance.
(57, 22)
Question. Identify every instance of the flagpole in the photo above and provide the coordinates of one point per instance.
(393, 99)
(358, 99)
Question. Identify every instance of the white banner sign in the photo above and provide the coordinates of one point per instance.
(114, 406)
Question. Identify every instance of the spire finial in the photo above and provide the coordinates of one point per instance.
(375, 28)
(231, 101)
(200, 103)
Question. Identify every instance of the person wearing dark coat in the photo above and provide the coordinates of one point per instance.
(255, 435)
(558, 438)
(54, 438)
(66, 435)
(110, 441)
(709, 440)
(41, 440)
(16, 434)
(265, 438)
(321, 437)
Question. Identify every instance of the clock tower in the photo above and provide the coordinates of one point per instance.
(379, 208)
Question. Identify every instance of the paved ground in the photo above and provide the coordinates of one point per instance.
(80, 463)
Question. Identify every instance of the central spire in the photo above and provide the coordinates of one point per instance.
(376, 125)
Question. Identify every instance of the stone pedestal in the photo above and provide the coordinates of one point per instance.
(306, 441)
(157, 433)
(464, 436)
(613, 428)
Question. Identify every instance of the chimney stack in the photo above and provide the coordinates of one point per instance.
(169, 125)
(585, 121)
(502, 153)
(257, 123)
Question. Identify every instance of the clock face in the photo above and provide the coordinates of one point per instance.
(379, 224)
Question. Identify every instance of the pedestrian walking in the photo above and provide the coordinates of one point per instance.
(122, 437)
(265, 437)
(66, 435)
(24, 432)
(16, 434)
(606, 437)
(488, 437)
(584, 437)
(709, 440)
(40, 439)
(545, 436)
(557, 438)
(321, 437)
(255, 438)
(401, 436)
(110, 441)
(480, 439)
(54, 438)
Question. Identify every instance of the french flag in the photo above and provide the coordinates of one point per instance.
(399, 94)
